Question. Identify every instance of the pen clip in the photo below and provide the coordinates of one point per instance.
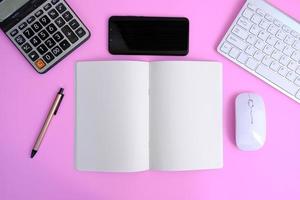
(62, 96)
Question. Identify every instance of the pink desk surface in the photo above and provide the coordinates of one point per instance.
(25, 97)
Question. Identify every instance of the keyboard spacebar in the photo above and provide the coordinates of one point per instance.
(277, 79)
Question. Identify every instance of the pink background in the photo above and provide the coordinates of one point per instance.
(25, 97)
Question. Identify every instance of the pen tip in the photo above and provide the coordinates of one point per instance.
(33, 152)
(61, 90)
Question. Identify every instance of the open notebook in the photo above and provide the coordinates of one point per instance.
(134, 116)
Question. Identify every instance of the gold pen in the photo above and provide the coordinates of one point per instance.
(52, 112)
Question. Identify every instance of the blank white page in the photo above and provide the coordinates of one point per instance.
(185, 115)
(112, 115)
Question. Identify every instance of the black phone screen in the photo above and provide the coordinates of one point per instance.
(148, 35)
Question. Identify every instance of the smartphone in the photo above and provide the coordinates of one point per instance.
(132, 35)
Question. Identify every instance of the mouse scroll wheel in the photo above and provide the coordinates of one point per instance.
(250, 103)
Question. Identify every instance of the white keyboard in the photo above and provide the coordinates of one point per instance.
(266, 42)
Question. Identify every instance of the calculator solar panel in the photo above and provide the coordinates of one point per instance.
(45, 31)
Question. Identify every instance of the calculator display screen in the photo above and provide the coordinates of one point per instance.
(148, 35)
(8, 7)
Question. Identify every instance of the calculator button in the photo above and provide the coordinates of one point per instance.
(51, 28)
(39, 13)
(14, 32)
(42, 49)
(53, 13)
(26, 48)
(59, 22)
(28, 33)
(58, 36)
(33, 55)
(35, 41)
(43, 34)
(69, 34)
(36, 26)
(74, 24)
(20, 39)
(44, 20)
(48, 57)
(80, 32)
(23, 25)
(50, 43)
(67, 16)
(56, 50)
(30, 19)
(64, 44)
(54, 1)
(60, 8)
(47, 6)
(40, 63)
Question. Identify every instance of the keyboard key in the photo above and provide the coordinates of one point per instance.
(236, 42)
(243, 58)
(267, 61)
(45, 20)
(252, 6)
(297, 81)
(58, 37)
(47, 6)
(268, 49)
(251, 39)
(42, 49)
(28, 33)
(56, 51)
(43, 34)
(237, 30)
(294, 33)
(260, 12)
(67, 16)
(247, 13)
(277, 23)
(48, 57)
(292, 65)
(296, 45)
(234, 52)
(59, 22)
(51, 28)
(243, 22)
(296, 56)
(74, 24)
(298, 95)
(20, 39)
(264, 24)
(289, 40)
(259, 55)
(69, 34)
(291, 76)
(280, 34)
(36, 26)
(54, 1)
(269, 18)
(35, 41)
(226, 47)
(250, 50)
(260, 44)
(283, 71)
(30, 19)
(263, 35)
(33, 56)
(273, 29)
(251, 63)
(256, 19)
(60, 8)
(40, 63)
(276, 55)
(284, 60)
(286, 29)
(64, 44)
(255, 29)
(39, 13)
(26, 48)
(277, 79)
(279, 45)
(50, 43)
(14, 32)
(80, 32)
(288, 50)
(274, 66)
(53, 13)
(22, 25)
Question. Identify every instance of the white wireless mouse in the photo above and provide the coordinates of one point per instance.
(250, 121)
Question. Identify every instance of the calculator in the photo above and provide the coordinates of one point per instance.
(44, 31)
